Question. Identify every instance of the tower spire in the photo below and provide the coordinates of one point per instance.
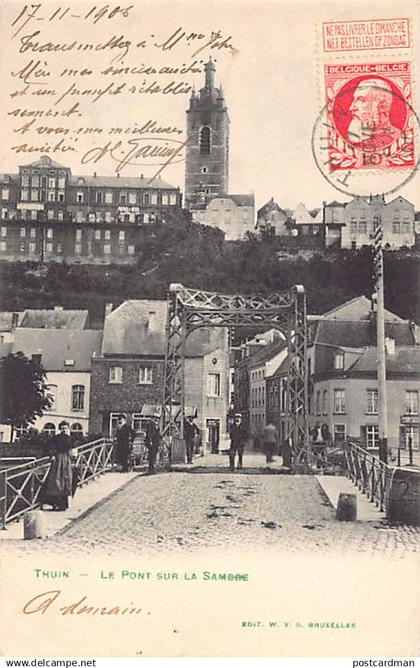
(210, 70)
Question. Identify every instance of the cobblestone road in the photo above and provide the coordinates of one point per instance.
(214, 508)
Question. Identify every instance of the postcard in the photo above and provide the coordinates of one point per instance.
(190, 470)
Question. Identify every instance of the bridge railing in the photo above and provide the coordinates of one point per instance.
(372, 476)
(20, 485)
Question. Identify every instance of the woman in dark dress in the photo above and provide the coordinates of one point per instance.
(58, 484)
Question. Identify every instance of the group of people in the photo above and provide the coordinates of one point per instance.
(124, 438)
(238, 437)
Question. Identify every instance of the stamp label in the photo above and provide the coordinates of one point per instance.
(366, 35)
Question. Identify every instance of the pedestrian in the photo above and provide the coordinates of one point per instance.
(153, 440)
(58, 483)
(190, 431)
(270, 439)
(124, 438)
(238, 435)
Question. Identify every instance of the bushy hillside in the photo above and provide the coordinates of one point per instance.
(183, 252)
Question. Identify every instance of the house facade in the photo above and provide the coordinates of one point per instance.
(233, 214)
(127, 377)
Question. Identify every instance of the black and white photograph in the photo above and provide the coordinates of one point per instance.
(210, 329)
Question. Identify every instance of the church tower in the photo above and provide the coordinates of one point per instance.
(207, 152)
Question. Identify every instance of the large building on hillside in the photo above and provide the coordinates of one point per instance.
(207, 164)
(47, 213)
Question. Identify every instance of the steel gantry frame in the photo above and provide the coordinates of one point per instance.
(190, 309)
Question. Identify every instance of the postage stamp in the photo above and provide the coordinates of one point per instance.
(369, 119)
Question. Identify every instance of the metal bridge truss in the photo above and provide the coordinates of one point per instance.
(191, 309)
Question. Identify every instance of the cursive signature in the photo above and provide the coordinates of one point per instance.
(48, 601)
(145, 151)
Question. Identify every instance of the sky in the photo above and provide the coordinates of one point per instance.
(272, 82)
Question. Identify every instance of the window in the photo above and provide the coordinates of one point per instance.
(107, 249)
(51, 183)
(108, 198)
(52, 391)
(325, 402)
(49, 247)
(146, 375)
(318, 402)
(165, 199)
(339, 432)
(3, 246)
(107, 234)
(146, 198)
(50, 214)
(33, 232)
(49, 429)
(396, 227)
(32, 247)
(33, 215)
(61, 215)
(205, 141)
(130, 249)
(213, 385)
(132, 199)
(123, 198)
(372, 402)
(412, 402)
(115, 374)
(5, 193)
(51, 195)
(80, 198)
(339, 401)
(98, 198)
(372, 435)
(77, 397)
(35, 195)
(60, 197)
(76, 430)
(283, 395)
(172, 199)
(59, 248)
(353, 228)
(411, 432)
(22, 232)
(22, 247)
(339, 360)
(24, 195)
(97, 234)
(363, 227)
(77, 249)
(62, 182)
(204, 170)
(4, 231)
(121, 235)
(50, 233)
(78, 235)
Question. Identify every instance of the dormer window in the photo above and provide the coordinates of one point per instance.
(339, 360)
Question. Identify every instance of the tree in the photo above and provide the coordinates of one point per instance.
(23, 391)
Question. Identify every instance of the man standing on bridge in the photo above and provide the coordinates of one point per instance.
(238, 435)
(153, 441)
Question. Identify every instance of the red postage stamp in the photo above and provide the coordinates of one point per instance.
(369, 116)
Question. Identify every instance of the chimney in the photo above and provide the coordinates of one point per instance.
(94, 174)
(390, 346)
(15, 320)
(108, 308)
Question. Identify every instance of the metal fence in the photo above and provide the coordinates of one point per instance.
(20, 485)
(372, 476)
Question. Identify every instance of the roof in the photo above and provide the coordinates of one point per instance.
(271, 205)
(358, 308)
(56, 318)
(58, 345)
(334, 204)
(283, 368)
(301, 215)
(138, 327)
(405, 361)
(121, 182)
(266, 353)
(361, 333)
(243, 200)
(45, 161)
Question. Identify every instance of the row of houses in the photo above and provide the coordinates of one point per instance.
(343, 388)
(95, 375)
(343, 224)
